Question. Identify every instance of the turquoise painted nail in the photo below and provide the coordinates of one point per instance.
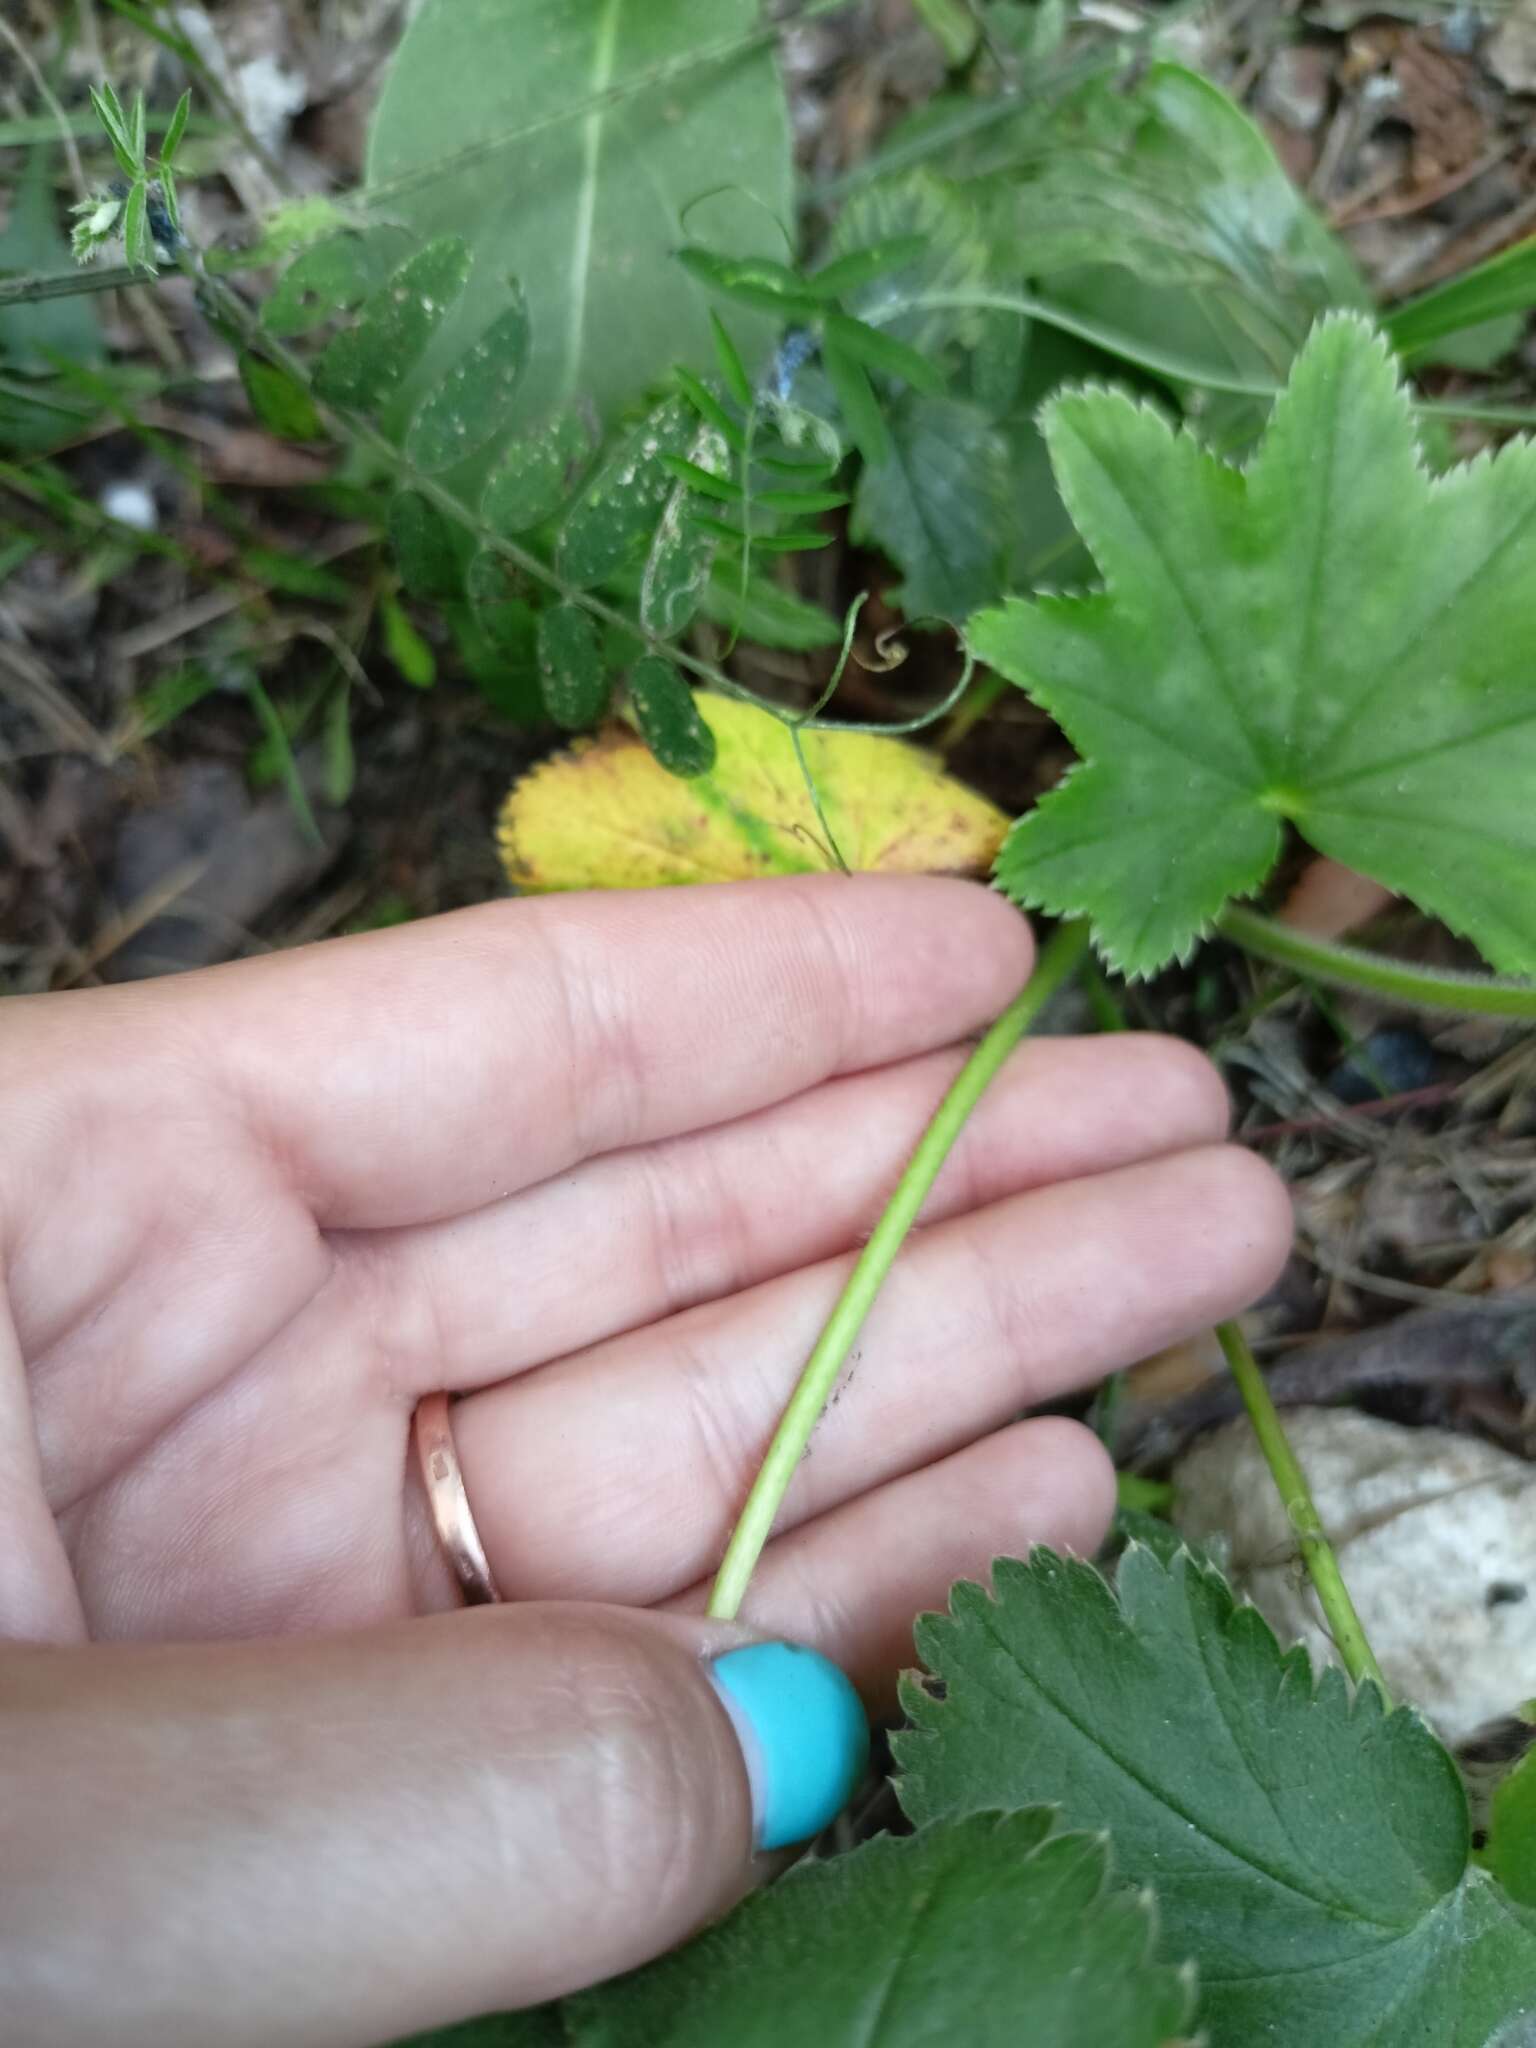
(802, 1731)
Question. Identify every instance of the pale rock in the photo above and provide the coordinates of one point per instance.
(1436, 1538)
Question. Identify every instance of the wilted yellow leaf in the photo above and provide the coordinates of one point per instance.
(606, 816)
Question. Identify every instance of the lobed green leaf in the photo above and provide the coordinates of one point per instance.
(1332, 637)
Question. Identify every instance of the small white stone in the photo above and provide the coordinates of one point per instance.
(130, 504)
(1436, 1537)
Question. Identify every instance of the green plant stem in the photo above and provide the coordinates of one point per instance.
(1143, 1496)
(1057, 962)
(1296, 1496)
(1422, 988)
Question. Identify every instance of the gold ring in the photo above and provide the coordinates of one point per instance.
(450, 1503)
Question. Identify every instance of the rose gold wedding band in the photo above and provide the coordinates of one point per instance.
(450, 1503)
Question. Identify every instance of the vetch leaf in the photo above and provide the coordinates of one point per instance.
(573, 677)
(138, 251)
(617, 512)
(566, 138)
(364, 365)
(498, 598)
(678, 561)
(537, 474)
(758, 281)
(1310, 1851)
(708, 407)
(425, 547)
(175, 129)
(329, 278)
(475, 399)
(279, 400)
(669, 719)
(882, 352)
(766, 613)
(855, 394)
(733, 370)
(606, 816)
(992, 1931)
(1331, 636)
(406, 649)
(939, 506)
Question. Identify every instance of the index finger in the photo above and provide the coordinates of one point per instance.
(414, 1074)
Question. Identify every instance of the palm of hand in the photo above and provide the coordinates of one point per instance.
(601, 1163)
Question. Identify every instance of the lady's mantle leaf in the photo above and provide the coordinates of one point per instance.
(607, 816)
(1311, 1852)
(990, 1931)
(1331, 637)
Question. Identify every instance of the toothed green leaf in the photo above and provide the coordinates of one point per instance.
(1332, 637)
(939, 506)
(1310, 1851)
(992, 1931)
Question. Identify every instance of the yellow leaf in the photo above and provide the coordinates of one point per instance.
(606, 816)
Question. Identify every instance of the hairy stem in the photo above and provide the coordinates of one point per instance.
(1422, 988)
(1317, 1552)
(1056, 964)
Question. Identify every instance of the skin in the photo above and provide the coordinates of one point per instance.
(601, 1164)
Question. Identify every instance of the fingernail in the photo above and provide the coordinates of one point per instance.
(803, 1733)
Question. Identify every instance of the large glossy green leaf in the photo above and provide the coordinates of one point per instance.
(39, 412)
(1331, 637)
(1310, 1851)
(587, 208)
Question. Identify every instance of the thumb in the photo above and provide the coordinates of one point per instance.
(342, 1840)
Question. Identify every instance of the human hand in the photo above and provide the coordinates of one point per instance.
(601, 1162)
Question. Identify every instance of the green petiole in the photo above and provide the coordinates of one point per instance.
(1058, 961)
